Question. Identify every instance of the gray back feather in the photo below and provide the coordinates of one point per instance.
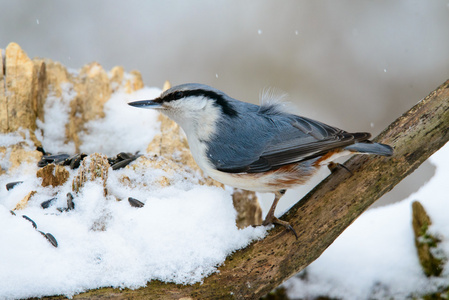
(266, 138)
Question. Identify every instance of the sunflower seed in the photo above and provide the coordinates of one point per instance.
(47, 203)
(134, 202)
(32, 222)
(11, 185)
(50, 238)
(123, 155)
(76, 159)
(58, 159)
(70, 203)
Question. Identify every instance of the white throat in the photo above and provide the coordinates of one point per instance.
(199, 126)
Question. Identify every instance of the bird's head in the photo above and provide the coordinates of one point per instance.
(192, 105)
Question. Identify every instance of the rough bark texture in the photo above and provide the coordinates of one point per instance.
(320, 217)
(18, 102)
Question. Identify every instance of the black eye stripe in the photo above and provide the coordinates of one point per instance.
(227, 108)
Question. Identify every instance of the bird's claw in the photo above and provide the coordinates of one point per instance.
(289, 227)
(274, 220)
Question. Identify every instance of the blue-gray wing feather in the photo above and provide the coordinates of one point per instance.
(261, 141)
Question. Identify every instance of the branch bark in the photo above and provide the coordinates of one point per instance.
(320, 217)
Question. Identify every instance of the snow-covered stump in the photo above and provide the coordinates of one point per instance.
(47, 109)
(28, 86)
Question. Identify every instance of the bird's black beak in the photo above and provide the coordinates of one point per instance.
(150, 104)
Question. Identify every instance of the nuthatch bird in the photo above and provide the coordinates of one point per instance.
(257, 148)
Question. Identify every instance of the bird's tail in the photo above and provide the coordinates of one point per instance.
(371, 148)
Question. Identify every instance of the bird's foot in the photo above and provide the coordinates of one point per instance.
(273, 220)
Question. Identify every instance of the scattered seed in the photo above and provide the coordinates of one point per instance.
(11, 185)
(121, 164)
(58, 159)
(124, 163)
(76, 159)
(47, 235)
(124, 155)
(119, 161)
(134, 202)
(122, 160)
(50, 238)
(32, 222)
(48, 203)
(70, 203)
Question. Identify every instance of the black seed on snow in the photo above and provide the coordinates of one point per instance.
(123, 155)
(59, 159)
(75, 160)
(48, 203)
(42, 163)
(63, 161)
(11, 185)
(49, 238)
(135, 203)
(124, 163)
(61, 209)
(121, 164)
(32, 222)
(70, 203)
(12, 213)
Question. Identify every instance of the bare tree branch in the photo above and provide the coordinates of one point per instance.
(321, 216)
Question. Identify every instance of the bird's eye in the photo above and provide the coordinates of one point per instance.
(178, 95)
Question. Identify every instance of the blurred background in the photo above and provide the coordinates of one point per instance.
(354, 64)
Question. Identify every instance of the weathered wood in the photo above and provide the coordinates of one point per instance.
(28, 87)
(16, 100)
(27, 84)
(320, 217)
(54, 175)
(248, 209)
(425, 241)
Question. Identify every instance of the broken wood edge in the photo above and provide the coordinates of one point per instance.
(319, 218)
